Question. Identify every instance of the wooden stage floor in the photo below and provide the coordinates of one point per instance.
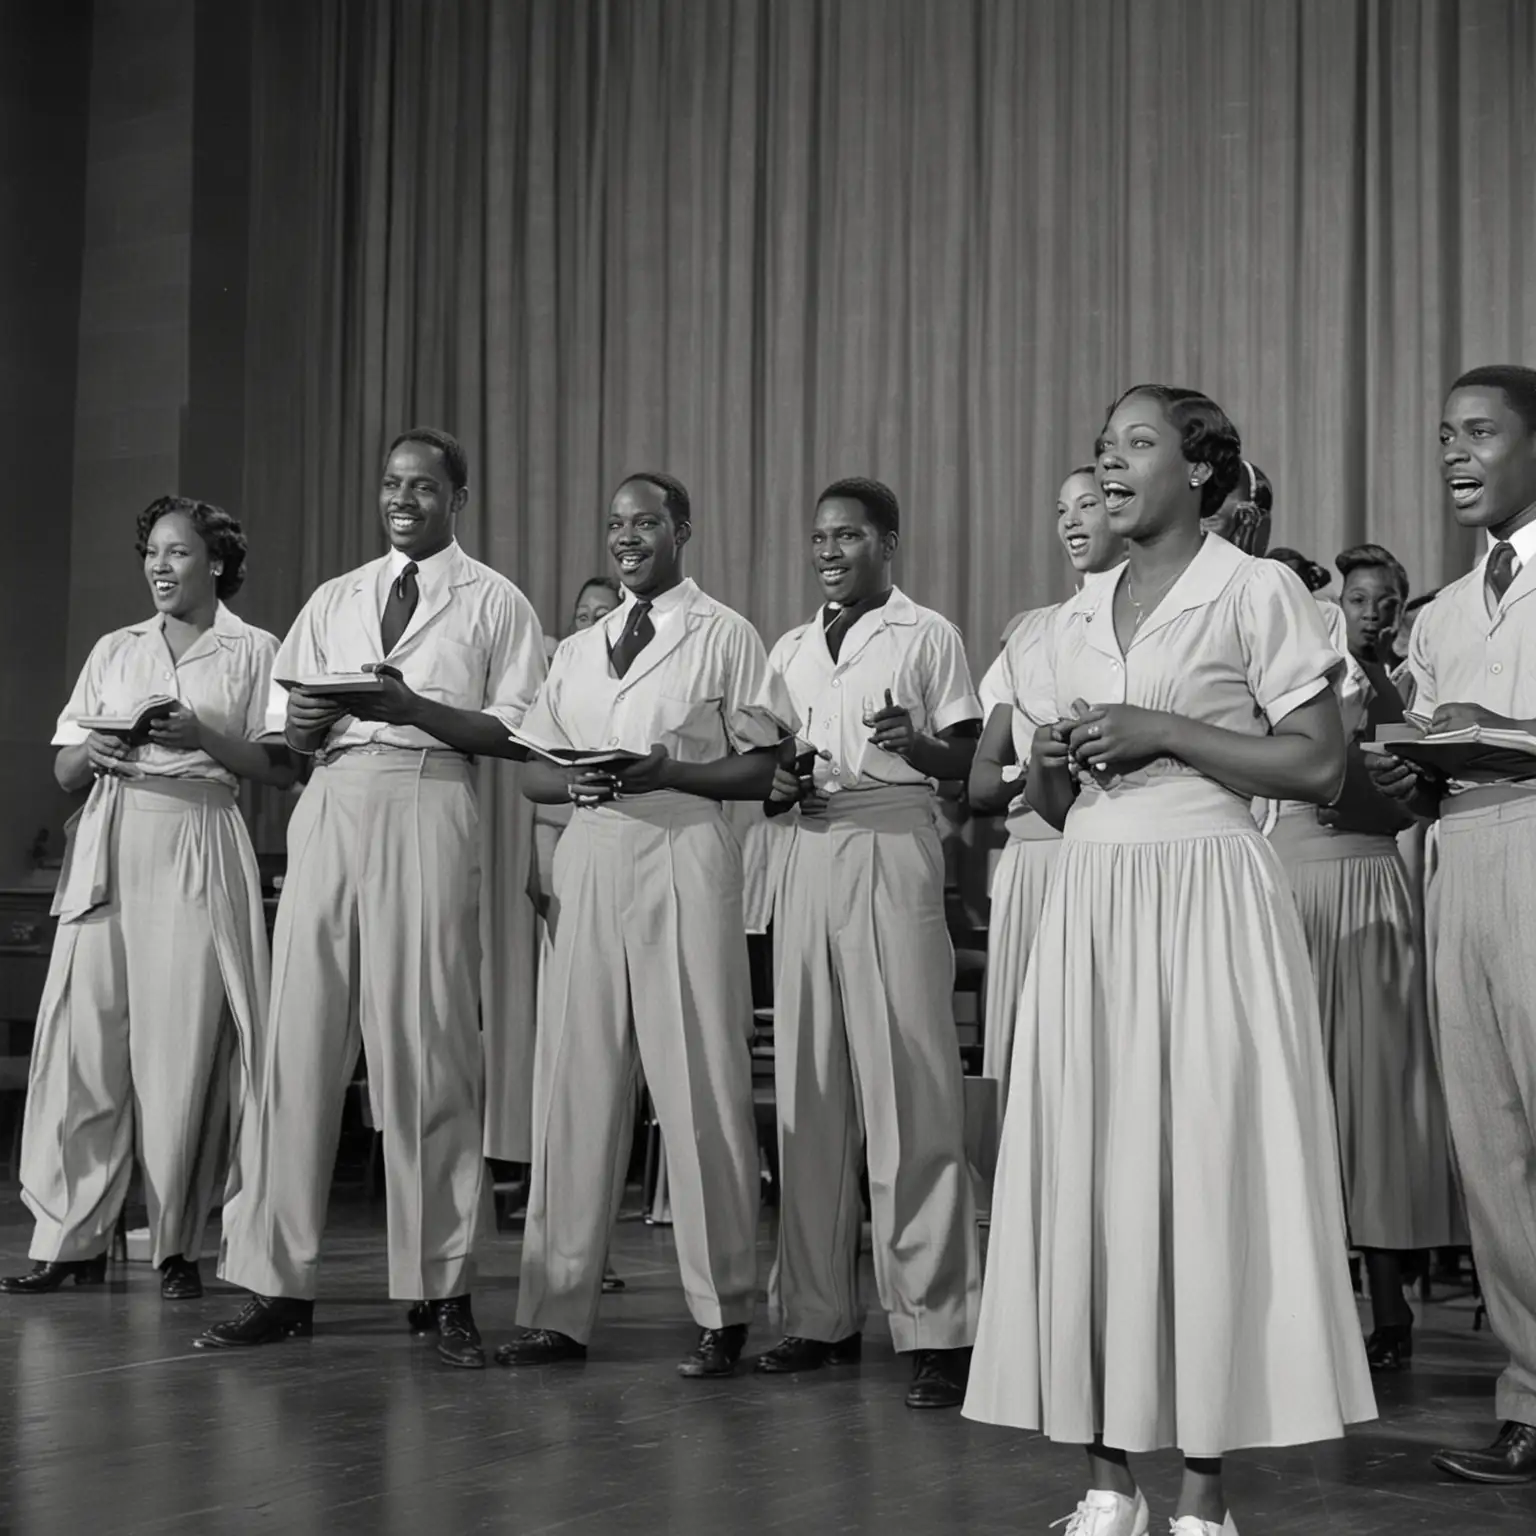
(116, 1425)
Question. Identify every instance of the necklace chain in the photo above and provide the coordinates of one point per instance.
(1130, 592)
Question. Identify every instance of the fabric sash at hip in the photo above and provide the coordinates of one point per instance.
(1300, 838)
(1025, 825)
(898, 808)
(1166, 808)
(85, 881)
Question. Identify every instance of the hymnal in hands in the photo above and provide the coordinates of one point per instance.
(132, 728)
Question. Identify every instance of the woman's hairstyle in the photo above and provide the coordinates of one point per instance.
(1314, 576)
(1365, 556)
(455, 460)
(222, 534)
(877, 499)
(611, 583)
(674, 494)
(1207, 437)
(1518, 385)
(1254, 486)
(1421, 601)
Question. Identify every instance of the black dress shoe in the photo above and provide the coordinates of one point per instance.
(179, 1280)
(716, 1353)
(458, 1340)
(612, 1283)
(1510, 1459)
(794, 1354)
(48, 1276)
(938, 1378)
(420, 1320)
(262, 1320)
(1390, 1347)
(540, 1346)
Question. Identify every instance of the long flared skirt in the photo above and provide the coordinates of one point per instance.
(1167, 1263)
(1360, 919)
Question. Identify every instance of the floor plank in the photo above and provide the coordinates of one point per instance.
(116, 1424)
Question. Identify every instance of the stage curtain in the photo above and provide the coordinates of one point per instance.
(763, 243)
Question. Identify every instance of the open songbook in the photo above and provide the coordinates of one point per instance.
(576, 757)
(334, 684)
(133, 727)
(1474, 753)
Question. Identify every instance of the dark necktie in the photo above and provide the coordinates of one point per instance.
(403, 596)
(836, 621)
(638, 633)
(1502, 568)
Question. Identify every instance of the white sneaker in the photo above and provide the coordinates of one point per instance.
(1188, 1525)
(1107, 1514)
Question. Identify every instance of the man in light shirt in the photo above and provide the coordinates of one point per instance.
(377, 927)
(1472, 661)
(867, 1057)
(648, 960)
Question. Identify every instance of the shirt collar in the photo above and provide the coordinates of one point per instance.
(673, 600)
(429, 570)
(1524, 540)
(227, 625)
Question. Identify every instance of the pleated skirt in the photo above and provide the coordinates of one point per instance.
(1362, 926)
(1017, 897)
(1167, 1262)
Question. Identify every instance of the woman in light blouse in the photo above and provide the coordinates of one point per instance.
(157, 986)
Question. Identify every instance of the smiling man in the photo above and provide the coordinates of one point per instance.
(867, 1058)
(379, 919)
(1473, 662)
(648, 957)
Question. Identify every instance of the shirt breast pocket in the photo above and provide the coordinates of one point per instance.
(451, 672)
(690, 729)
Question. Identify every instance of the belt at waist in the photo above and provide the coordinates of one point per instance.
(1487, 803)
(658, 808)
(406, 761)
(1166, 808)
(85, 880)
(895, 808)
(1028, 826)
(1300, 838)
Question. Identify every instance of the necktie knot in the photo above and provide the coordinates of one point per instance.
(638, 633)
(403, 596)
(1502, 568)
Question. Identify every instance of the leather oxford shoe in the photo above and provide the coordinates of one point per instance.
(938, 1378)
(262, 1320)
(1510, 1459)
(793, 1354)
(716, 1353)
(458, 1340)
(49, 1276)
(540, 1346)
(180, 1280)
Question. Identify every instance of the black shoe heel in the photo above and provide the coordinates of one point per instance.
(92, 1271)
(1390, 1348)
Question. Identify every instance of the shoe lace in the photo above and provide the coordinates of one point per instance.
(453, 1314)
(1078, 1522)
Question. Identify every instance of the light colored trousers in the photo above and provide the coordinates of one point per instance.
(868, 1065)
(1482, 912)
(152, 1007)
(377, 934)
(648, 956)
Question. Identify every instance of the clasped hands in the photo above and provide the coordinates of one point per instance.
(588, 787)
(1097, 739)
(179, 731)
